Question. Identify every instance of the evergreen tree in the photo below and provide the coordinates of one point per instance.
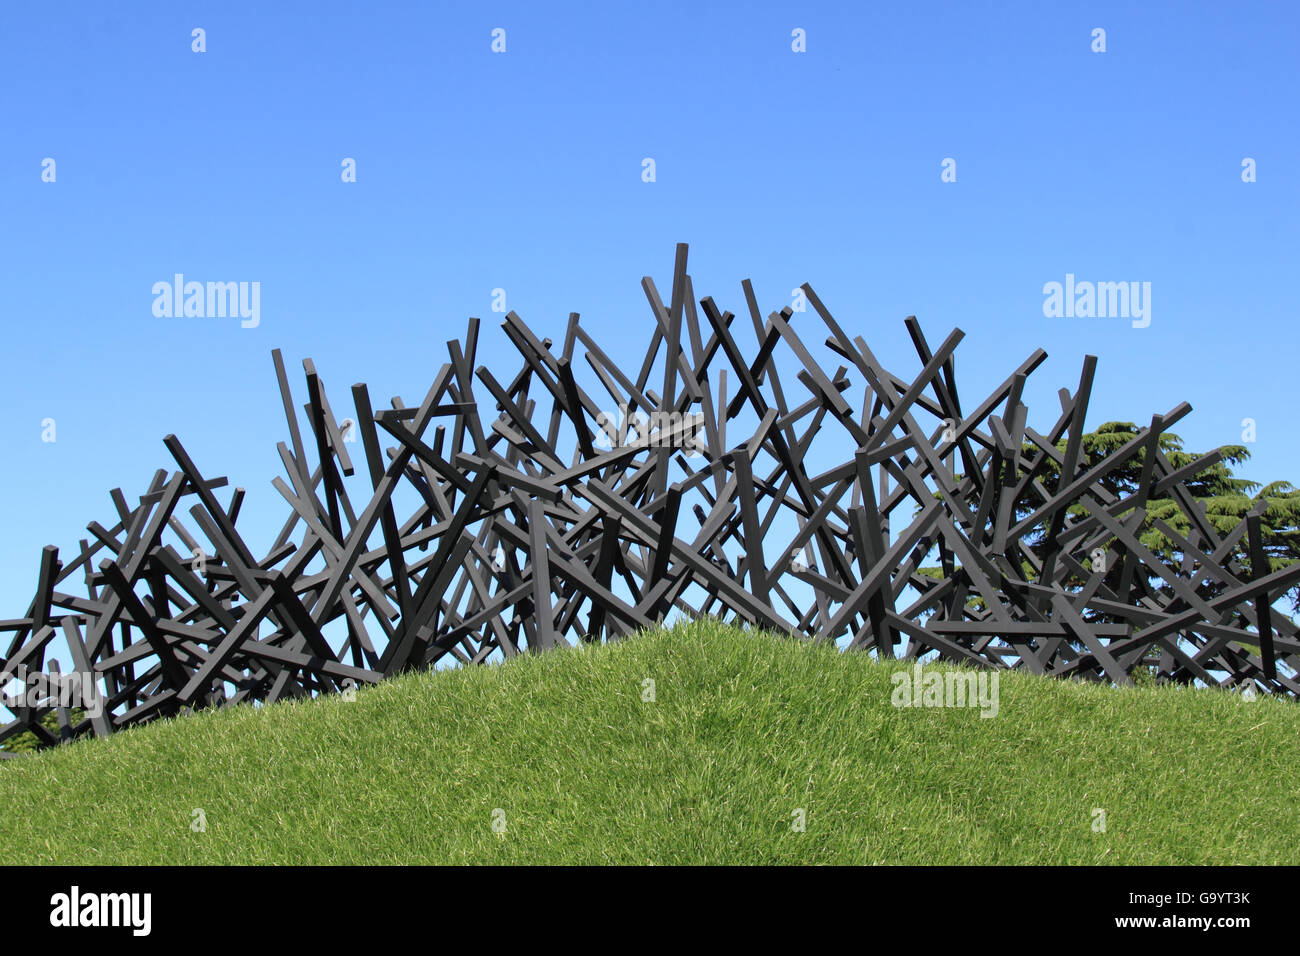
(1225, 497)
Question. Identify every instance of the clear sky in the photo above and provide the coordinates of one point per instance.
(522, 171)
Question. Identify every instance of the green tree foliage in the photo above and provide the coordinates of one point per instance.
(26, 742)
(1225, 497)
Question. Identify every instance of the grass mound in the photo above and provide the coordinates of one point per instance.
(745, 748)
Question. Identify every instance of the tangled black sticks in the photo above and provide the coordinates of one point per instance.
(569, 517)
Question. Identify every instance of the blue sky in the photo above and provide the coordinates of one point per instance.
(522, 171)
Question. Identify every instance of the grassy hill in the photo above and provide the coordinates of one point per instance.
(744, 731)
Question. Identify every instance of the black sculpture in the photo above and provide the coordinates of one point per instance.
(529, 533)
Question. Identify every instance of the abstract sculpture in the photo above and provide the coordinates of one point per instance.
(548, 511)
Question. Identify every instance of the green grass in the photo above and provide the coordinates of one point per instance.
(744, 730)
